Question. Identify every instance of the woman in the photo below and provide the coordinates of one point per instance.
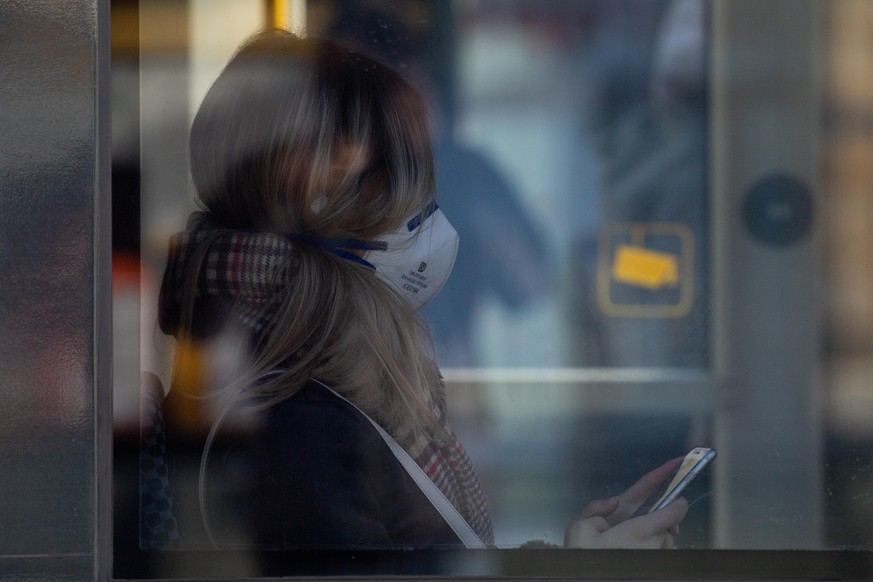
(318, 241)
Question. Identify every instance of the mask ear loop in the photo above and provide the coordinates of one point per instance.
(418, 219)
(340, 247)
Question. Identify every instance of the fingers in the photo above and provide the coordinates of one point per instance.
(646, 484)
(598, 523)
(637, 493)
(600, 507)
(585, 533)
(669, 542)
(664, 519)
(665, 471)
(608, 522)
(651, 531)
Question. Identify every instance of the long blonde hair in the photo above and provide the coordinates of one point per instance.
(265, 145)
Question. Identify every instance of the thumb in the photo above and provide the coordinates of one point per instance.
(600, 524)
(584, 532)
(600, 508)
(666, 518)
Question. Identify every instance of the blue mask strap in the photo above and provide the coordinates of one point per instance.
(416, 221)
(340, 247)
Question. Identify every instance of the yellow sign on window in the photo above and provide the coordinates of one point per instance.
(645, 269)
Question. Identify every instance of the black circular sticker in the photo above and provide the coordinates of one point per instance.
(778, 210)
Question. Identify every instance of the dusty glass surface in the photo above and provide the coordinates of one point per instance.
(661, 208)
(48, 189)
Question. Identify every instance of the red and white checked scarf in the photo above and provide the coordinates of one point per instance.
(247, 269)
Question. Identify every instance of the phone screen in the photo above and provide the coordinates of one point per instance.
(692, 464)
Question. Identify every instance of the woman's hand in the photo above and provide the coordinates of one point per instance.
(651, 531)
(607, 523)
(638, 493)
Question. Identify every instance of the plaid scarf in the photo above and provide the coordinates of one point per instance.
(245, 270)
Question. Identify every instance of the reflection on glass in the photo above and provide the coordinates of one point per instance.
(47, 401)
(578, 332)
(619, 107)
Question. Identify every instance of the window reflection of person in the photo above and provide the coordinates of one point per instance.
(504, 254)
(652, 141)
(301, 151)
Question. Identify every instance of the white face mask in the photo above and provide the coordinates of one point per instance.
(418, 257)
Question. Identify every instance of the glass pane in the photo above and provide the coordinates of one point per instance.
(645, 192)
(574, 159)
(48, 189)
(847, 353)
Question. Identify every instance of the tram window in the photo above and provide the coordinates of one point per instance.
(636, 273)
(48, 178)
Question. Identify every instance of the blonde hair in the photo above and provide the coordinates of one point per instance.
(265, 145)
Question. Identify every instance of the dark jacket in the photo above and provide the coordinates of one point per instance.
(312, 473)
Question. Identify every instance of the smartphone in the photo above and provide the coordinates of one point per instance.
(691, 466)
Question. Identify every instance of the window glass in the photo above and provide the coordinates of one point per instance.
(583, 129)
(48, 196)
(662, 223)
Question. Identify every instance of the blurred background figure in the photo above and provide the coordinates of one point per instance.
(648, 119)
(502, 254)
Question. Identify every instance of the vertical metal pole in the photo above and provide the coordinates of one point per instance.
(769, 426)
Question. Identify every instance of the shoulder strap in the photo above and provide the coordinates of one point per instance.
(443, 506)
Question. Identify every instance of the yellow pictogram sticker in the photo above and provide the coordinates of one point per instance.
(645, 269)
